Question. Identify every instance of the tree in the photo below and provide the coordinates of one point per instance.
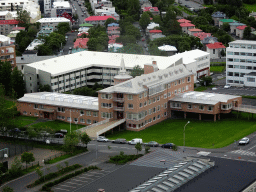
(6, 73)
(138, 147)
(247, 32)
(17, 82)
(205, 81)
(137, 71)
(85, 139)
(43, 88)
(134, 8)
(144, 20)
(131, 49)
(7, 189)
(16, 166)
(226, 27)
(222, 53)
(63, 28)
(147, 148)
(44, 49)
(27, 157)
(23, 17)
(126, 39)
(132, 30)
(109, 20)
(70, 141)
(39, 172)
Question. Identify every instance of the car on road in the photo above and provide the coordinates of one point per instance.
(142, 39)
(59, 135)
(102, 139)
(120, 140)
(227, 86)
(167, 145)
(244, 141)
(135, 141)
(152, 144)
(70, 48)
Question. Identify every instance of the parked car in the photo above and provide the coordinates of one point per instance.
(102, 139)
(44, 133)
(123, 141)
(16, 130)
(214, 88)
(70, 48)
(244, 141)
(152, 144)
(142, 39)
(135, 141)
(59, 135)
(66, 37)
(227, 86)
(167, 145)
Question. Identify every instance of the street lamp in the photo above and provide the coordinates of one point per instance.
(78, 119)
(184, 136)
(70, 121)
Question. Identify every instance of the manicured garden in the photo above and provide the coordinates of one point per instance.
(250, 7)
(205, 134)
(218, 69)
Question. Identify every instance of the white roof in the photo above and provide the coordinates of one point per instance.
(15, 32)
(154, 80)
(5, 39)
(3, 13)
(64, 4)
(167, 48)
(63, 100)
(116, 45)
(33, 44)
(203, 97)
(243, 42)
(53, 19)
(152, 25)
(191, 56)
(84, 59)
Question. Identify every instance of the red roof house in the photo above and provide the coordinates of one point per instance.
(215, 49)
(155, 31)
(153, 10)
(202, 35)
(9, 22)
(18, 28)
(81, 43)
(186, 26)
(98, 20)
(216, 45)
(183, 21)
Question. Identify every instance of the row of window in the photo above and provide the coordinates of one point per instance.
(241, 60)
(243, 46)
(242, 67)
(235, 81)
(88, 121)
(202, 107)
(241, 53)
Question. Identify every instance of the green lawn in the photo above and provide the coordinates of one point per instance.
(217, 68)
(198, 133)
(185, 10)
(203, 88)
(57, 125)
(9, 103)
(22, 121)
(250, 7)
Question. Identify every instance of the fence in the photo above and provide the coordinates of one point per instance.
(13, 149)
(223, 59)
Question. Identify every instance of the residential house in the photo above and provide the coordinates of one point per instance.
(154, 32)
(233, 27)
(45, 31)
(97, 20)
(13, 35)
(114, 47)
(193, 31)
(216, 16)
(60, 7)
(215, 50)
(208, 40)
(113, 25)
(81, 43)
(112, 39)
(53, 22)
(100, 10)
(34, 44)
(7, 25)
(240, 31)
(153, 10)
(252, 14)
(113, 14)
(8, 15)
(183, 21)
(113, 31)
(222, 21)
(151, 26)
(202, 35)
(186, 26)
(170, 50)
(7, 50)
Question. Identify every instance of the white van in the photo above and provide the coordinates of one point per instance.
(135, 141)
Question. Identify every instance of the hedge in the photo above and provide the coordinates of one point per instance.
(47, 186)
(122, 159)
(54, 175)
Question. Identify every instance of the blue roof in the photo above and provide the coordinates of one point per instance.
(113, 25)
(219, 14)
(241, 24)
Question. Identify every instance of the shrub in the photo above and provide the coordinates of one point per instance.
(122, 159)
(174, 147)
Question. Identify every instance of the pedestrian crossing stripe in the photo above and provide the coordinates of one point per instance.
(243, 152)
(204, 153)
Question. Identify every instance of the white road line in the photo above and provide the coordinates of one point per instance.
(77, 180)
(90, 144)
(251, 147)
(73, 183)
(67, 186)
(102, 145)
(125, 147)
(61, 189)
(113, 146)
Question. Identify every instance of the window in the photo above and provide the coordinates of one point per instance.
(89, 121)
(175, 92)
(154, 118)
(165, 96)
(213, 51)
(68, 119)
(141, 104)
(150, 120)
(179, 81)
(169, 94)
(88, 113)
(130, 106)
(36, 106)
(189, 79)
(149, 101)
(35, 114)
(82, 121)
(189, 106)
(95, 114)
(75, 120)
(201, 107)
(106, 96)
(165, 105)
(176, 105)
(145, 103)
(165, 114)
(250, 79)
(61, 109)
(154, 109)
(210, 108)
(106, 115)
(41, 106)
(158, 98)
(175, 83)
(150, 111)
(145, 94)
(81, 112)
(158, 108)
(140, 95)
(154, 100)
(158, 116)
(106, 105)
(183, 80)
(130, 97)
(179, 90)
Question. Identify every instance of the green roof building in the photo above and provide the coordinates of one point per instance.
(222, 21)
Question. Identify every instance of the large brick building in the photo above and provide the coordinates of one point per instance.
(7, 50)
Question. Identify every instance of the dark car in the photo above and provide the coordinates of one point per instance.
(59, 135)
(123, 141)
(16, 130)
(167, 145)
(152, 144)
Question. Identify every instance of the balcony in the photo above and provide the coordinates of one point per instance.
(118, 108)
(118, 99)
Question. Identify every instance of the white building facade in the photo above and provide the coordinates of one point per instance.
(241, 63)
(54, 21)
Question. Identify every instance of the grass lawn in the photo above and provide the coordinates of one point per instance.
(22, 121)
(250, 7)
(57, 125)
(9, 103)
(198, 133)
(185, 10)
(217, 68)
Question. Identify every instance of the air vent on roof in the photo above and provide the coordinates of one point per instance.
(181, 70)
(144, 80)
(43, 63)
(170, 73)
(160, 76)
(55, 61)
(154, 76)
(140, 83)
(149, 78)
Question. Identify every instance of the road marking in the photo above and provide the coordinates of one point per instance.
(102, 145)
(204, 153)
(125, 147)
(113, 146)
(61, 189)
(77, 180)
(90, 144)
(251, 147)
(73, 183)
(67, 186)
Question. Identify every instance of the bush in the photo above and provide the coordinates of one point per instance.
(174, 147)
(122, 159)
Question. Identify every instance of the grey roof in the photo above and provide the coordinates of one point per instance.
(32, 58)
(210, 39)
(218, 14)
(251, 74)
(243, 42)
(136, 85)
(236, 24)
(202, 97)
(63, 100)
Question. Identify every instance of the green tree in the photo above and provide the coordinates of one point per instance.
(132, 30)
(16, 167)
(137, 71)
(138, 147)
(23, 17)
(205, 81)
(6, 74)
(17, 82)
(226, 27)
(44, 49)
(147, 148)
(85, 139)
(126, 39)
(131, 49)
(222, 53)
(134, 8)
(144, 20)
(46, 88)
(109, 20)
(63, 28)
(27, 157)
(55, 40)
(70, 141)
(247, 32)
(39, 172)
(7, 189)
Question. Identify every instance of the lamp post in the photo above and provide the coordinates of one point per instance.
(78, 119)
(184, 136)
(70, 121)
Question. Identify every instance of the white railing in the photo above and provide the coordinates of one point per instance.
(93, 125)
(118, 108)
(245, 108)
(118, 99)
(110, 127)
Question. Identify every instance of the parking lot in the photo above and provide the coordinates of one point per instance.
(191, 4)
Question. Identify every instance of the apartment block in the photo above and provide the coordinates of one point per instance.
(53, 22)
(241, 63)
(7, 25)
(7, 50)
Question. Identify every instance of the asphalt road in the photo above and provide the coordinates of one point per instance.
(193, 4)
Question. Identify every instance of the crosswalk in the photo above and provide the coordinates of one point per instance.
(243, 152)
(204, 153)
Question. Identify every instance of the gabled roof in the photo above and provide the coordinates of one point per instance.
(236, 24)
(210, 39)
(152, 25)
(183, 21)
(241, 27)
(155, 31)
(202, 35)
(150, 8)
(99, 18)
(187, 25)
(217, 45)
(218, 14)
(9, 22)
(81, 43)
(167, 48)
(53, 19)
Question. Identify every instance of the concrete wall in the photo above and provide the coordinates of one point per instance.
(30, 78)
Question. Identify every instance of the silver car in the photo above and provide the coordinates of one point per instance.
(102, 139)
(244, 141)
